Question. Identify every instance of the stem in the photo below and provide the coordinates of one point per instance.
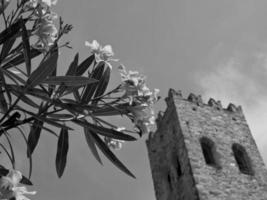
(6, 151)
(30, 156)
(12, 151)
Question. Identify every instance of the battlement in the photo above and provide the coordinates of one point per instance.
(197, 100)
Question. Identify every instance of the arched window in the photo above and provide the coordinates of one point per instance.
(242, 159)
(209, 151)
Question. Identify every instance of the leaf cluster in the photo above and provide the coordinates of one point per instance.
(33, 94)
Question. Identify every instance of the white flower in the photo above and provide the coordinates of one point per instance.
(9, 188)
(143, 117)
(46, 33)
(134, 86)
(42, 3)
(101, 53)
(49, 2)
(141, 99)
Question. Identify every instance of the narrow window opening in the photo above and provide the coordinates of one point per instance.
(209, 152)
(169, 179)
(178, 168)
(242, 159)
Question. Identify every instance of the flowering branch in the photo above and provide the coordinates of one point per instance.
(33, 94)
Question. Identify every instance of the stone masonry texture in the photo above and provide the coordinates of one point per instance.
(178, 165)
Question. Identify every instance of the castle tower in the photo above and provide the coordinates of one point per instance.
(204, 152)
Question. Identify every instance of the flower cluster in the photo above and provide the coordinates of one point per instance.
(9, 188)
(45, 29)
(101, 53)
(141, 98)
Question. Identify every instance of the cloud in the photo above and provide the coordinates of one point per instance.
(238, 81)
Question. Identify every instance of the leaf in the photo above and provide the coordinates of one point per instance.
(3, 171)
(105, 131)
(51, 87)
(11, 120)
(11, 31)
(32, 91)
(3, 103)
(111, 110)
(62, 151)
(45, 69)
(34, 136)
(26, 49)
(24, 98)
(15, 78)
(73, 66)
(76, 95)
(71, 71)
(85, 65)
(46, 120)
(90, 89)
(69, 80)
(108, 153)
(60, 116)
(103, 83)
(20, 58)
(3, 83)
(6, 48)
(91, 144)
(25, 181)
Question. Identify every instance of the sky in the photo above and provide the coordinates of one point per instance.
(211, 47)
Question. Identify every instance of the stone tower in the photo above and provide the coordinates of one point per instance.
(204, 152)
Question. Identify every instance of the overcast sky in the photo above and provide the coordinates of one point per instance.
(211, 47)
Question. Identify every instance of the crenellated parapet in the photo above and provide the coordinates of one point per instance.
(197, 100)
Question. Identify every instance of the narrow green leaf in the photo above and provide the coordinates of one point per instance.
(91, 144)
(11, 120)
(71, 71)
(3, 171)
(52, 87)
(32, 91)
(25, 181)
(73, 66)
(3, 103)
(11, 31)
(105, 131)
(85, 65)
(34, 136)
(90, 89)
(20, 58)
(62, 151)
(26, 49)
(76, 95)
(111, 110)
(24, 98)
(60, 116)
(6, 48)
(108, 153)
(69, 80)
(15, 78)
(43, 71)
(103, 83)
(3, 84)
(46, 120)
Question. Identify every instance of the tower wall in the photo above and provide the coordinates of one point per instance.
(180, 130)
